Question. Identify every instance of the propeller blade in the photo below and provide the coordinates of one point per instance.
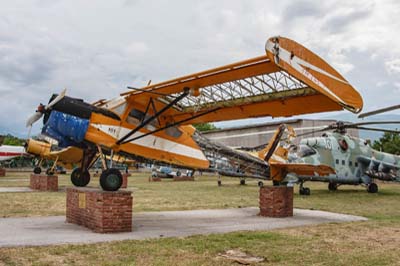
(379, 129)
(56, 100)
(35, 117)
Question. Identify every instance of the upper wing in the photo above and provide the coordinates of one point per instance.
(288, 80)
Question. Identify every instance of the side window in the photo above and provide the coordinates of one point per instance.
(135, 116)
(356, 164)
(119, 109)
(350, 163)
(337, 161)
(343, 162)
(173, 132)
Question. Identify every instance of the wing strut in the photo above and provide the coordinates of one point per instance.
(156, 115)
(171, 125)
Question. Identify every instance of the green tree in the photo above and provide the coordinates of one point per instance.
(389, 142)
(14, 141)
(205, 127)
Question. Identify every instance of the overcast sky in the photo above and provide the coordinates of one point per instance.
(96, 50)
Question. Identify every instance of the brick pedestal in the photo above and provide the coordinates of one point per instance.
(183, 178)
(154, 179)
(44, 182)
(100, 211)
(276, 201)
(2, 172)
(125, 180)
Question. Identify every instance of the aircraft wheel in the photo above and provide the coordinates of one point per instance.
(49, 172)
(372, 188)
(37, 170)
(304, 191)
(332, 186)
(178, 173)
(219, 183)
(111, 179)
(260, 184)
(242, 182)
(80, 179)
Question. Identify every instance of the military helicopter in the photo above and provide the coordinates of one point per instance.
(335, 157)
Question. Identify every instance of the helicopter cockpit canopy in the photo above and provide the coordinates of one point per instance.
(305, 150)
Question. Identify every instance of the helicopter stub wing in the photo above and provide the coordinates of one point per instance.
(288, 80)
(279, 170)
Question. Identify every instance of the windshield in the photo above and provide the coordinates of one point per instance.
(304, 151)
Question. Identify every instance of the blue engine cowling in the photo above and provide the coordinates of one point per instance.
(67, 129)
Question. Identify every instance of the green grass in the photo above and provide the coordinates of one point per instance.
(374, 242)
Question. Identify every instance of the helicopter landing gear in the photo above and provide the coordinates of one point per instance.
(332, 186)
(372, 188)
(260, 184)
(304, 190)
(242, 182)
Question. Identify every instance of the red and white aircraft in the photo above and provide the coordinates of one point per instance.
(8, 152)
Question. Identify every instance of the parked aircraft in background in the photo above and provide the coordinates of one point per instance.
(335, 157)
(8, 152)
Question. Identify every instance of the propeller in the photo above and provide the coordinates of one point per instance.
(43, 108)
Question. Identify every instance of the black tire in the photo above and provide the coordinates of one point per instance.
(332, 186)
(80, 179)
(219, 183)
(372, 188)
(242, 182)
(49, 172)
(304, 191)
(178, 173)
(37, 170)
(260, 184)
(111, 179)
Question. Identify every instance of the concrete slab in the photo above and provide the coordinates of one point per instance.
(15, 189)
(34, 231)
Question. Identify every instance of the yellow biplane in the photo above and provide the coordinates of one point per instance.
(153, 122)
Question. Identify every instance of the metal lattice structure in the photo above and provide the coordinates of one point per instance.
(247, 90)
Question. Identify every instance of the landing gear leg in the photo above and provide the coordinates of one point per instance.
(304, 190)
(332, 186)
(38, 168)
(80, 177)
(219, 181)
(372, 188)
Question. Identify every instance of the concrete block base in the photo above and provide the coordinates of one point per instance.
(101, 211)
(183, 178)
(2, 172)
(276, 201)
(44, 182)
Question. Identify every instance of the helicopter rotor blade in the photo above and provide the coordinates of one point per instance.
(379, 111)
(372, 123)
(379, 129)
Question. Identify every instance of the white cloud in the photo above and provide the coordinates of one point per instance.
(96, 50)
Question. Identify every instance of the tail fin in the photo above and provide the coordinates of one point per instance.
(273, 145)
